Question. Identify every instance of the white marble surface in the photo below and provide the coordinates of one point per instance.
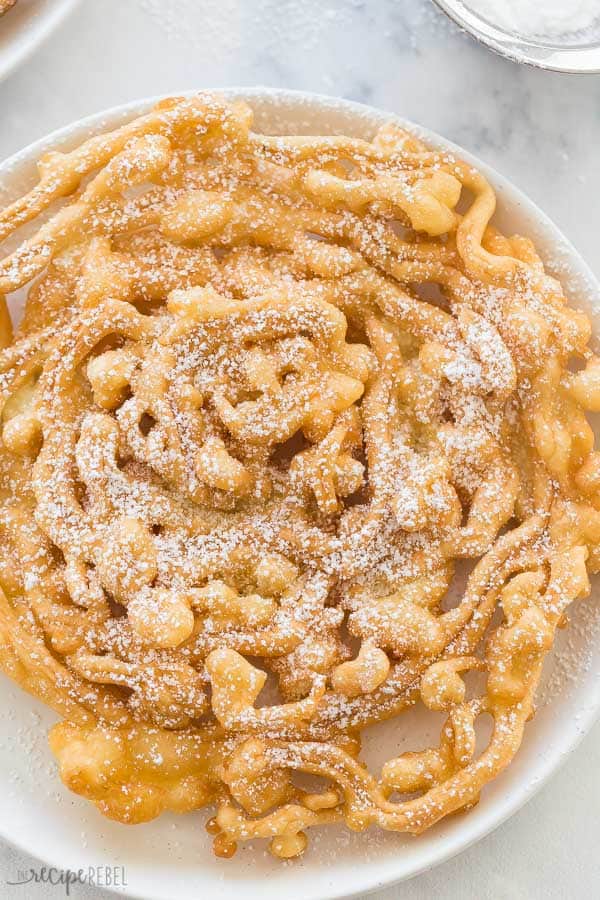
(540, 129)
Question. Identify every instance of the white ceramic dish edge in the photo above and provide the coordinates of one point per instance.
(22, 30)
(371, 874)
(540, 53)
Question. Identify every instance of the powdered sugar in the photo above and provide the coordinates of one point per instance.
(549, 19)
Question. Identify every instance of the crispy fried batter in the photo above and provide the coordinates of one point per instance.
(266, 391)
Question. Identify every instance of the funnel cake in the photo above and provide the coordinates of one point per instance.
(266, 392)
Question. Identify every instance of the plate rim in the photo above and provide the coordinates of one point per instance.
(42, 25)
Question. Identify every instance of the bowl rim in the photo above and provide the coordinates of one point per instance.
(473, 828)
(40, 26)
(537, 52)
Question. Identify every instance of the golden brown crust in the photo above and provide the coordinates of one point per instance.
(5, 5)
(266, 392)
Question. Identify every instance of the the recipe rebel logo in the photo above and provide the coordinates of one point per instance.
(65, 879)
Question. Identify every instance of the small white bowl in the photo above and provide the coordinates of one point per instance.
(576, 56)
(25, 26)
(171, 856)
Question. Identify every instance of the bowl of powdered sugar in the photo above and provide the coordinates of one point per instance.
(563, 35)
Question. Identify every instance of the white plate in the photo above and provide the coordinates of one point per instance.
(25, 26)
(171, 856)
